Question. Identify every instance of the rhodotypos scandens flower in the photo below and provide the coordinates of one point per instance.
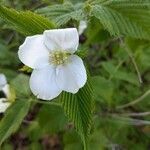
(4, 87)
(55, 66)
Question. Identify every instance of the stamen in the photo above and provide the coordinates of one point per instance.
(59, 57)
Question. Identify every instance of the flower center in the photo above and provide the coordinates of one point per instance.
(59, 57)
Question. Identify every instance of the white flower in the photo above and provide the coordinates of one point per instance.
(55, 66)
(82, 26)
(4, 103)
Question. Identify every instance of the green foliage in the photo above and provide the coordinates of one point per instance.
(136, 9)
(55, 115)
(5, 53)
(63, 13)
(27, 23)
(78, 109)
(102, 88)
(114, 78)
(13, 118)
(23, 80)
(72, 141)
(120, 74)
(123, 17)
(118, 23)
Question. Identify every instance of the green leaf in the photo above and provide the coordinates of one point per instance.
(56, 119)
(137, 10)
(24, 91)
(72, 141)
(63, 13)
(102, 88)
(35, 145)
(119, 23)
(27, 22)
(78, 108)
(13, 118)
(120, 74)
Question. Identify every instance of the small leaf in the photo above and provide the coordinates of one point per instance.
(27, 22)
(13, 118)
(78, 108)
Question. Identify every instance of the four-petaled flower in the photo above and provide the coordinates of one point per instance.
(55, 66)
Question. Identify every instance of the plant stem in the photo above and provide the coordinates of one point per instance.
(138, 114)
(135, 101)
(47, 103)
(133, 60)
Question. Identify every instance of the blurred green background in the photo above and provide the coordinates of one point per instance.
(115, 82)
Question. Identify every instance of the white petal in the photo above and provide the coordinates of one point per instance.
(33, 52)
(82, 26)
(72, 76)
(6, 90)
(3, 81)
(43, 83)
(62, 39)
(3, 105)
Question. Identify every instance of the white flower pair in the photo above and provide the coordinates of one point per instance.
(56, 68)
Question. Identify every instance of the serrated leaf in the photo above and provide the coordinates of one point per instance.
(63, 13)
(78, 108)
(13, 118)
(137, 10)
(118, 23)
(27, 22)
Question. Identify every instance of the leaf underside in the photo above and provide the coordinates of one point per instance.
(78, 108)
